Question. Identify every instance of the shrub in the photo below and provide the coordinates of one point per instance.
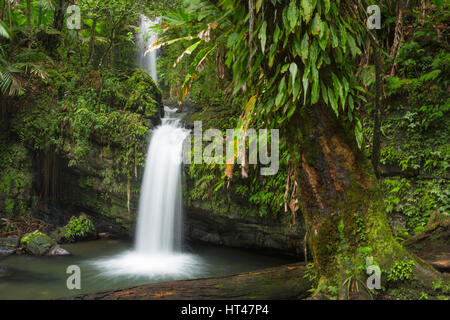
(78, 228)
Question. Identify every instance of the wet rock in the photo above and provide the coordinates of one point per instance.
(37, 243)
(8, 245)
(58, 251)
(246, 233)
(104, 235)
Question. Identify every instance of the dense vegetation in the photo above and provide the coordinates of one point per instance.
(364, 118)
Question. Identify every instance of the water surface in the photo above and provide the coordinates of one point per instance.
(28, 277)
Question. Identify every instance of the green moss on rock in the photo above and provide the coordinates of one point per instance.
(144, 95)
(37, 243)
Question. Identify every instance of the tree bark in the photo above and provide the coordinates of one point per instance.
(340, 199)
(58, 19)
(282, 283)
(376, 143)
(91, 40)
(30, 36)
(2, 10)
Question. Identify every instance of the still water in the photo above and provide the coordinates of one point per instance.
(28, 277)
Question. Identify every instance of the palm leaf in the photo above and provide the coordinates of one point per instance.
(5, 32)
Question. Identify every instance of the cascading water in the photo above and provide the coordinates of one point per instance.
(145, 40)
(159, 227)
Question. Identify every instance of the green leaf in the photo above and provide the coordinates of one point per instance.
(262, 36)
(324, 90)
(333, 101)
(305, 82)
(258, 5)
(430, 75)
(315, 85)
(314, 51)
(304, 47)
(297, 89)
(327, 5)
(276, 34)
(324, 35)
(293, 70)
(353, 47)
(308, 8)
(281, 93)
(4, 31)
(334, 37)
(292, 15)
(439, 4)
(316, 25)
(338, 89)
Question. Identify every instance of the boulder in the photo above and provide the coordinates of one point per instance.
(37, 243)
(58, 251)
(8, 245)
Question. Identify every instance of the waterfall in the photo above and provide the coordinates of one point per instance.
(159, 226)
(157, 252)
(146, 38)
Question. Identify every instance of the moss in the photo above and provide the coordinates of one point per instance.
(37, 243)
(15, 178)
(144, 95)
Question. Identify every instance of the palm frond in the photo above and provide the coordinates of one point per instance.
(5, 32)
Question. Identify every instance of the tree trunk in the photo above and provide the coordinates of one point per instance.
(91, 41)
(30, 36)
(58, 19)
(2, 10)
(376, 143)
(10, 16)
(285, 282)
(341, 201)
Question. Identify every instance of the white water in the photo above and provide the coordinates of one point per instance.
(146, 39)
(159, 228)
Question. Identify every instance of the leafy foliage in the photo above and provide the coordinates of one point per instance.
(400, 271)
(78, 228)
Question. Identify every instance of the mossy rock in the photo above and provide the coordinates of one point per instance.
(144, 96)
(77, 229)
(37, 243)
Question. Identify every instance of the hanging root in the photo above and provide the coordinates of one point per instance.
(290, 198)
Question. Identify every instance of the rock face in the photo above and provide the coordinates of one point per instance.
(247, 233)
(104, 184)
(8, 245)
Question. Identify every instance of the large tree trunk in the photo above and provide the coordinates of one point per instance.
(340, 200)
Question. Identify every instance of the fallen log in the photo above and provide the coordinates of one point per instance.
(282, 283)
